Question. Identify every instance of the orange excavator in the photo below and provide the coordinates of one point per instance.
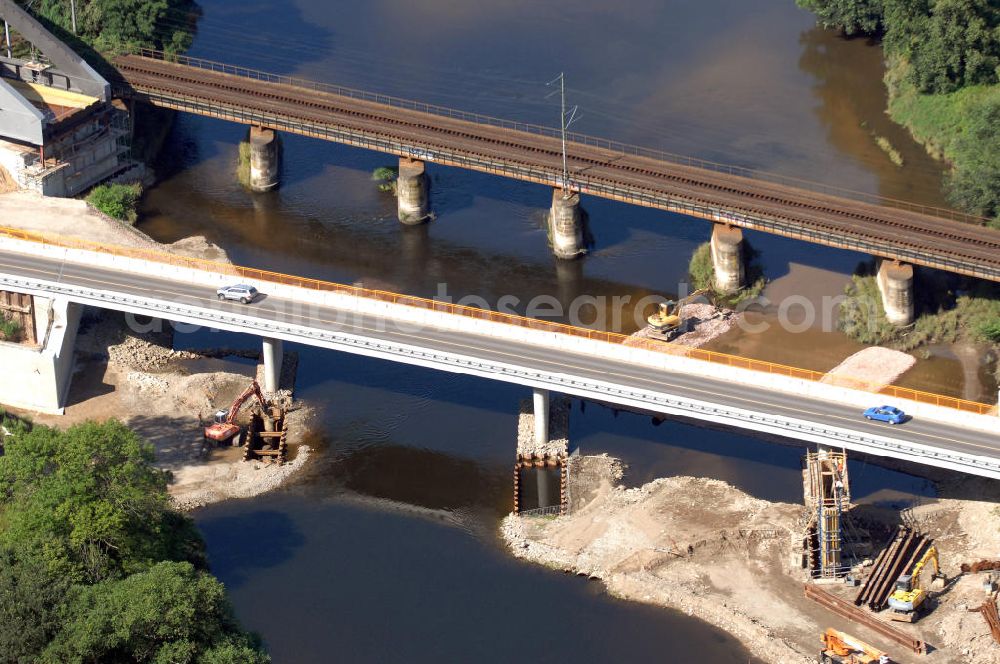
(841, 648)
(225, 427)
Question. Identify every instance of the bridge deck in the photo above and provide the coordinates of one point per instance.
(550, 364)
(890, 232)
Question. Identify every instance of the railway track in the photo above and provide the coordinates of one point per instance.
(599, 166)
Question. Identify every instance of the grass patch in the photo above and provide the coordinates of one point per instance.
(886, 147)
(701, 271)
(243, 164)
(943, 314)
(935, 121)
(118, 201)
(10, 329)
(386, 178)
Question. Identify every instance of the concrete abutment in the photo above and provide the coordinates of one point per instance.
(38, 375)
(727, 258)
(895, 283)
(566, 230)
(412, 195)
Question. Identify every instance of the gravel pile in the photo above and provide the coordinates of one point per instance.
(558, 442)
(870, 369)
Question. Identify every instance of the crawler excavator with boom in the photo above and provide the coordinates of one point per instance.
(225, 428)
(667, 319)
(909, 600)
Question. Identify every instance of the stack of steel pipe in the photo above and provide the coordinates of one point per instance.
(897, 559)
(992, 617)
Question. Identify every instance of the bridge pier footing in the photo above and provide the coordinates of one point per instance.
(265, 158)
(542, 451)
(566, 224)
(273, 355)
(727, 258)
(412, 192)
(895, 283)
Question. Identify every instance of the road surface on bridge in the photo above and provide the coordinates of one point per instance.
(504, 352)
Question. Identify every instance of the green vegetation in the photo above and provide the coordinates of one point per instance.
(94, 563)
(886, 147)
(943, 78)
(118, 201)
(702, 275)
(944, 315)
(852, 16)
(386, 178)
(111, 26)
(10, 329)
(243, 164)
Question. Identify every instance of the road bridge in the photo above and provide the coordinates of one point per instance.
(417, 132)
(650, 377)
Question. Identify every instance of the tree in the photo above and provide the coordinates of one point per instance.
(29, 601)
(975, 182)
(853, 17)
(170, 613)
(111, 25)
(90, 502)
(949, 44)
(118, 201)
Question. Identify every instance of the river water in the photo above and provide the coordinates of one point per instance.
(387, 552)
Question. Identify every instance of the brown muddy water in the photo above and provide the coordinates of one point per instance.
(386, 551)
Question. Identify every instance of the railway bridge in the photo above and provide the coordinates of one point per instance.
(899, 234)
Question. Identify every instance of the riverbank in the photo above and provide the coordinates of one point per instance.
(126, 369)
(704, 547)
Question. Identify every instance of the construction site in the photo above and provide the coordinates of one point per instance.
(62, 131)
(827, 580)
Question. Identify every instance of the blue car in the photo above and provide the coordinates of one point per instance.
(889, 414)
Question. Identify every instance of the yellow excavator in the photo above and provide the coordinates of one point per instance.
(909, 600)
(667, 318)
(841, 648)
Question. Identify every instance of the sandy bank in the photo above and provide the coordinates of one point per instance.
(164, 395)
(710, 550)
(871, 369)
(70, 217)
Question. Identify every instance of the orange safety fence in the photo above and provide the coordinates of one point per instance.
(482, 314)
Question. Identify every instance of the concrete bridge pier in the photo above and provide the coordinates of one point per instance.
(727, 258)
(412, 192)
(566, 224)
(895, 283)
(265, 158)
(541, 411)
(273, 355)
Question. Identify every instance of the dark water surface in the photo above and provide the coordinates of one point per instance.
(387, 551)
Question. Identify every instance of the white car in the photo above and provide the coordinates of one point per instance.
(240, 292)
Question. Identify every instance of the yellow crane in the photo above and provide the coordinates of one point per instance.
(667, 318)
(909, 599)
(841, 648)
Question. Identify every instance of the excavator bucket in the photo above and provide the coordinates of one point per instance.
(938, 582)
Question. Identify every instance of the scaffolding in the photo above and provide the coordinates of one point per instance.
(827, 494)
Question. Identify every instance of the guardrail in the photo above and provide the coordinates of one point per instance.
(551, 132)
(481, 314)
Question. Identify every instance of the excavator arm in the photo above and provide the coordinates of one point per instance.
(253, 389)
